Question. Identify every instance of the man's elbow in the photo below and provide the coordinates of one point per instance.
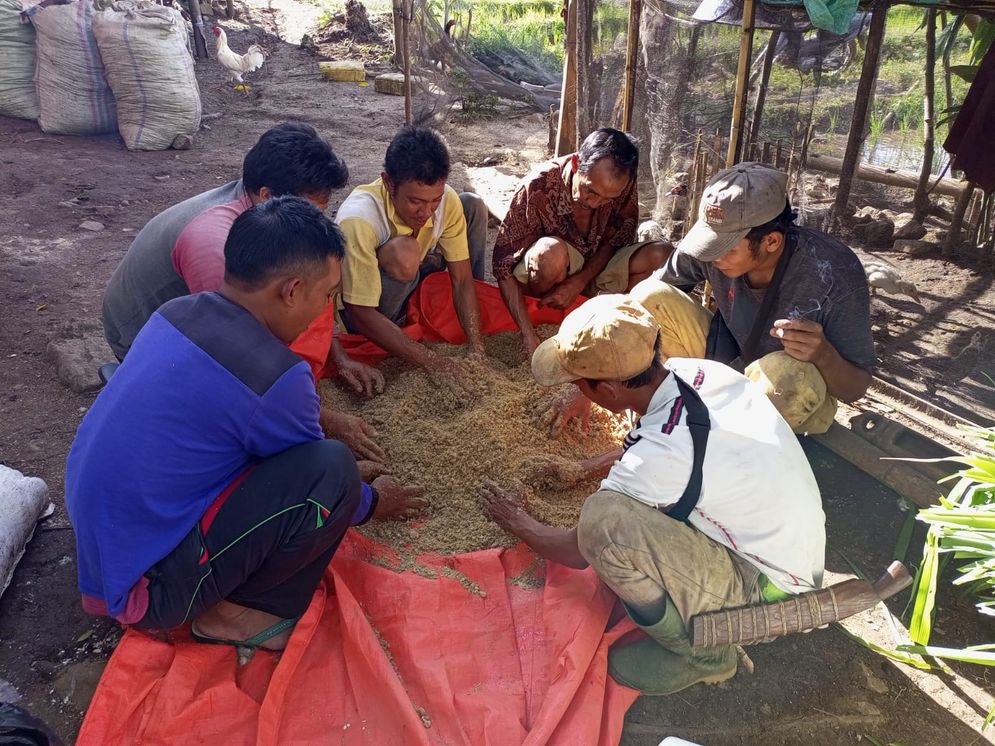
(858, 387)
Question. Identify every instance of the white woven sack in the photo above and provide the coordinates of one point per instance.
(23, 501)
(17, 63)
(73, 95)
(145, 49)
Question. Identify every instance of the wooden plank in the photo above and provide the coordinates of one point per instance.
(742, 82)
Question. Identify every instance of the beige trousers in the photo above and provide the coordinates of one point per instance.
(645, 556)
(796, 388)
(614, 278)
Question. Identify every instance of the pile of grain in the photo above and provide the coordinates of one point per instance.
(433, 441)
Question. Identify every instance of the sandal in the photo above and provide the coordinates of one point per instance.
(255, 642)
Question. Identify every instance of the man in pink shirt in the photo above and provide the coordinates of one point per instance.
(181, 251)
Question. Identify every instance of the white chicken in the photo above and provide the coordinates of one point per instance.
(237, 64)
(882, 275)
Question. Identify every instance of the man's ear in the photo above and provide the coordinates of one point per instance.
(387, 182)
(264, 193)
(773, 241)
(291, 290)
(607, 389)
(574, 160)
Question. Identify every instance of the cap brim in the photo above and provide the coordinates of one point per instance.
(546, 366)
(705, 245)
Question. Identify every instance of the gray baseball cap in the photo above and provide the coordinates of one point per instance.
(735, 201)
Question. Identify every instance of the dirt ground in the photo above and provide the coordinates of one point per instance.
(815, 688)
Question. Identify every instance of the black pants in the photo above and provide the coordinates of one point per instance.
(265, 545)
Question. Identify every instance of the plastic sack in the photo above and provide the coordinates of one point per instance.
(23, 500)
(73, 95)
(146, 55)
(17, 63)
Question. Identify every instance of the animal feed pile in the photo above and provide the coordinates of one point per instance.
(449, 449)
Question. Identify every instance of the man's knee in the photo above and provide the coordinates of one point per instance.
(335, 473)
(650, 257)
(598, 525)
(400, 258)
(548, 261)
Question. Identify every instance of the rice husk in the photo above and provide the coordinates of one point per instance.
(450, 449)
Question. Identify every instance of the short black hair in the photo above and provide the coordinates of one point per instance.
(292, 158)
(609, 143)
(780, 224)
(416, 154)
(646, 377)
(282, 235)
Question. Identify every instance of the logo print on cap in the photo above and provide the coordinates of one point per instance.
(714, 214)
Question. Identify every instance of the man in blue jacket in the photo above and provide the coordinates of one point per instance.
(200, 485)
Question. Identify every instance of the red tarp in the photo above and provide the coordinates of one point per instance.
(389, 658)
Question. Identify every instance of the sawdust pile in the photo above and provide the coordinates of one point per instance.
(449, 449)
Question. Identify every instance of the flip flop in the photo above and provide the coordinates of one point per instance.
(255, 642)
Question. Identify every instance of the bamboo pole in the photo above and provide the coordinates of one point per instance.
(742, 82)
(758, 106)
(865, 93)
(406, 26)
(631, 49)
(921, 200)
(694, 194)
(953, 235)
(566, 131)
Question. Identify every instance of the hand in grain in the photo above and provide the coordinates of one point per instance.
(370, 470)
(398, 502)
(363, 379)
(564, 409)
(354, 432)
(551, 473)
(505, 506)
(456, 376)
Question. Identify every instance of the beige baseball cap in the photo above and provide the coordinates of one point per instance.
(735, 201)
(609, 338)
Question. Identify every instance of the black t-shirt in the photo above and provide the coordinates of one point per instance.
(824, 282)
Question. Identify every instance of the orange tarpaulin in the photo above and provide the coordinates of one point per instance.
(472, 656)
(431, 318)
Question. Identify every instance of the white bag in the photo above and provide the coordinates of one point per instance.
(73, 95)
(146, 54)
(17, 63)
(23, 501)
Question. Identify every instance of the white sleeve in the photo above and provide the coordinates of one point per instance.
(651, 472)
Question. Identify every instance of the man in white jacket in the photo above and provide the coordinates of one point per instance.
(710, 504)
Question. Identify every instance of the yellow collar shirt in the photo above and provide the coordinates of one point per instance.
(368, 220)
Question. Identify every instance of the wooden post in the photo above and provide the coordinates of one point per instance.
(765, 158)
(865, 92)
(758, 107)
(694, 193)
(921, 200)
(777, 154)
(398, 13)
(631, 48)
(199, 35)
(742, 82)
(953, 235)
(584, 19)
(566, 131)
(407, 12)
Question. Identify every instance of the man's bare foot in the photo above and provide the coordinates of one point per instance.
(228, 621)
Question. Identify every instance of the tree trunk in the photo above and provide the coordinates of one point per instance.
(921, 200)
(631, 51)
(566, 132)
(585, 29)
(199, 40)
(398, 13)
(407, 9)
(865, 94)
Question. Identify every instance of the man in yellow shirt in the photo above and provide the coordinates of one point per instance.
(405, 225)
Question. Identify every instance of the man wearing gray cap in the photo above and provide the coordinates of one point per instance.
(793, 307)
